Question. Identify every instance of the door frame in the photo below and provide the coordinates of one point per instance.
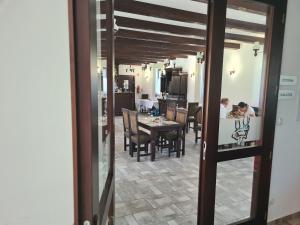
(210, 157)
(84, 88)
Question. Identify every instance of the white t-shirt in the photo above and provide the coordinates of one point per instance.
(223, 112)
(250, 111)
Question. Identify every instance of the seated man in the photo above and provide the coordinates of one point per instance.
(224, 108)
(246, 110)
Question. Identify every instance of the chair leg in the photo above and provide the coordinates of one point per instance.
(125, 143)
(196, 136)
(183, 145)
(169, 148)
(131, 149)
(138, 152)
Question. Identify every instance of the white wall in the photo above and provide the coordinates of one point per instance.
(285, 185)
(189, 65)
(35, 132)
(245, 84)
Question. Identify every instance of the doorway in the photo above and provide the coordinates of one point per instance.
(232, 169)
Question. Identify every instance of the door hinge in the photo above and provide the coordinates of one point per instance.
(270, 155)
(204, 150)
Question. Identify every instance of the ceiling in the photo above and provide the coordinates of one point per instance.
(153, 30)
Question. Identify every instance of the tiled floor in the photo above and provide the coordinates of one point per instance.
(165, 192)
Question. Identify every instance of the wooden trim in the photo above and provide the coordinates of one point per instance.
(211, 112)
(110, 39)
(274, 69)
(262, 171)
(73, 105)
(239, 153)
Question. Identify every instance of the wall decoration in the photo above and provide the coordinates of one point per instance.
(288, 80)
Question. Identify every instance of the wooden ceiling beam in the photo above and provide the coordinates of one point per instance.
(155, 26)
(179, 30)
(246, 6)
(158, 45)
(148, 9)
(147, 50)
(159, 37)
(162, 38)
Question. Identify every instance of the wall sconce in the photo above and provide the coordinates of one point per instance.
(144, 67)
(256, 49)
(200, 57)
(130, 69)
(232, 72)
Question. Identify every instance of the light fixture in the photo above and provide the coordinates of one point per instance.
(256, 48)
(144, 67)
(232, 72)
(200, 57)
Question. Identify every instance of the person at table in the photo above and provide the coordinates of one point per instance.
(245, 110)
(224, 108)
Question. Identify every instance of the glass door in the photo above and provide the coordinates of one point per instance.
(240, 110)
(94, 71)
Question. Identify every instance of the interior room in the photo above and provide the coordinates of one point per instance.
(160, 60)
(156, 112)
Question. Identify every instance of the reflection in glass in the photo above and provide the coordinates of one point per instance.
(104, 136)
(244, 75)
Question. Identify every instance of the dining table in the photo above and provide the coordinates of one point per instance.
(157, 125)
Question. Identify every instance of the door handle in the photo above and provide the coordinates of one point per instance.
(204, 150)
(86, 222)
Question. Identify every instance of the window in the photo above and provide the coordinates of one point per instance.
(157, 81)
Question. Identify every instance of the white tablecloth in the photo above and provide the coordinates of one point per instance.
(146, 103)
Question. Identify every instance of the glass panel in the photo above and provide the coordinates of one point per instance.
(104, 136)
(244, 74)
(234, 190)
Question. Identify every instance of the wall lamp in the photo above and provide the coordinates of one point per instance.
(232, 72)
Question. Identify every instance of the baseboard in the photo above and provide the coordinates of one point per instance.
(293, 219)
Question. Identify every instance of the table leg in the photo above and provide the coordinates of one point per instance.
(153, 142)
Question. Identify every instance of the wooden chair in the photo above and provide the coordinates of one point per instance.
(192, 106)
(198, 123)
(173, 136)
(137, 137)
(125, 114)
(171, 113)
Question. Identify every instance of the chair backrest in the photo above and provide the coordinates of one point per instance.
(181, 116)
(133, 122)
(198, 114)
(171, 113)
(192, 106)
(171, 104)
(125, 113)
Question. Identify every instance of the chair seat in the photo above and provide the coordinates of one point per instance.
(144, 138)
